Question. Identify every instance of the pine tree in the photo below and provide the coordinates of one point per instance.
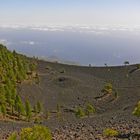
(28, 110)
(20, 109)
(8, 97)
(39, 107)
(35, 109)
(12, 105)
(13, 69)
(17, 102)
(3, 110)
(2, 99)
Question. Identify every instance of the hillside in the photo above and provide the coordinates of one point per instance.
(65, 88)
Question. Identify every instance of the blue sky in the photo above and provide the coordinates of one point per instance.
(95, 12)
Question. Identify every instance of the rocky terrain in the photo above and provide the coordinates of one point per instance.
(72, 86)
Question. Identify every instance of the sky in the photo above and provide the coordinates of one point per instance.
(70, 12)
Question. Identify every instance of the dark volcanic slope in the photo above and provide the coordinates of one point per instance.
(69, 86)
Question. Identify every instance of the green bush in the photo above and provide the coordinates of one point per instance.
(108, 132)
(79, 112)
(136, 111)
(35, 133)
(13, 136)
(108, 88)
(90, 109)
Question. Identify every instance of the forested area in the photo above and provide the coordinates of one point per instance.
(14, 69)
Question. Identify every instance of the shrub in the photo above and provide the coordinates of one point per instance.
(90, 109)
(79, 112)
(110, 132)
(35, 133)
(13, 136)
(62, 71)
(108, 88)
(136, 111)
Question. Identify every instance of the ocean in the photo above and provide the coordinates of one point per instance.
(75, 45)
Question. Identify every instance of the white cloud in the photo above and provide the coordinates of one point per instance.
(28, 42)
(97, 29)
(52, 29)
(32, 43)
(5, 42)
